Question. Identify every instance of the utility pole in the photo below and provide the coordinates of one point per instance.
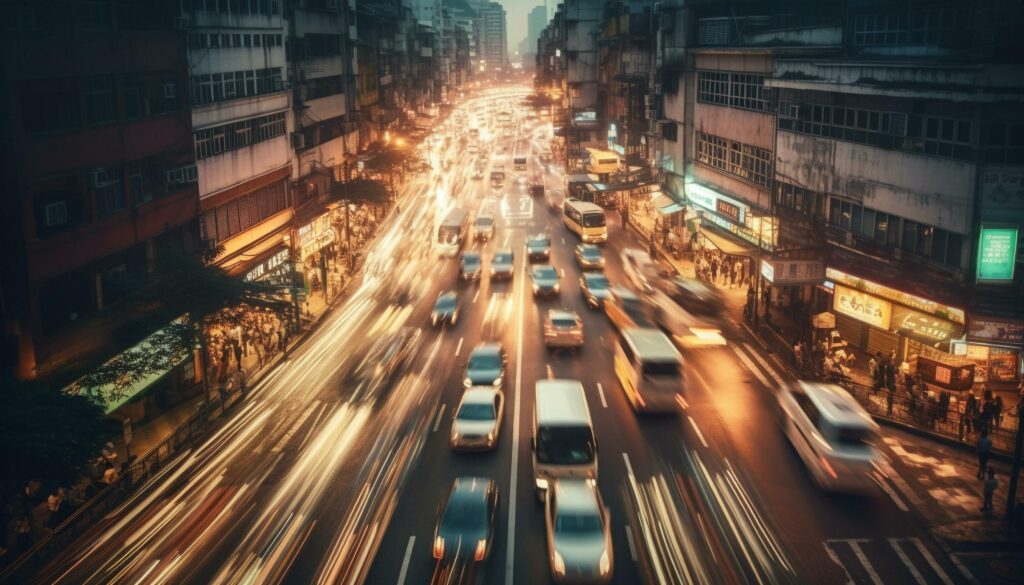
(1018, 447)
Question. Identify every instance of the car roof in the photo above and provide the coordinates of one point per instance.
(588, 276)
(479, 395)
(562, 314)
(503, 251)
(576, 496)
(590, 247)
(471, 254)
(561, 401)
(836, 405)
(651, 344)
(448, 296)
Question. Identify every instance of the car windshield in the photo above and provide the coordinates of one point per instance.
(545, 273)
(578, 523)
(539, 242)
(484, 361)
(597, 282)
(476, 412)
(593, 220)
(565, 445)
(591, 252)
(503, 258)
(853, 437)
(470, 260)
(445, 302)
(464, 512)
(484, 221)
(667, 368)
(563, 322)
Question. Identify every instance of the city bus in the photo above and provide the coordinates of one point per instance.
(452, 232)
(586, 220)
(518, 159)
(603, 162)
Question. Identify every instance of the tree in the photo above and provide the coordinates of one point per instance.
(392, 163)
(46, 434)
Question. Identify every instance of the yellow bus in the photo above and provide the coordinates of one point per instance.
(603, 162)
(586, 220)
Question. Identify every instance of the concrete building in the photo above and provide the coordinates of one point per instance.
(492, 27)
(99, 176)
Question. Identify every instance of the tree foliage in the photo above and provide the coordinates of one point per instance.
(46, 434)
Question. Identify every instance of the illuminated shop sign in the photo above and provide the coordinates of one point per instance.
(791, 272)
(862, 307)
(996, 330)
(920, 327)
(584, 118)
(953, 314)
(267, 266)
(729, 210)
(997, 254)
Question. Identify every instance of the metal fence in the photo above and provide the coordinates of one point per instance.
(99, 505)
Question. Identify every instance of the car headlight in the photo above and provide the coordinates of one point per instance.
(559, 563)
(455, 436)
(467, 383)
(497, 381)
(605, 564)
(438, 547)
(481, 549)
(490, 436)
(542, 484)
(556, 288)
(536, 288)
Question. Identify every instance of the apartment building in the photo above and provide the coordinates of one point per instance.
(99, 173)
(493, 32)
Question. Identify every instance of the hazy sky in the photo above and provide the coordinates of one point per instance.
(516, 11)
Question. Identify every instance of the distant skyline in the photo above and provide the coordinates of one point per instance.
(517, 11)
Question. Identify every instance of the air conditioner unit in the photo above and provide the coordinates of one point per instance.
(649, 100)
(98, 178)
(170, 91)
(56, 213)
(174, 176)
(657, 89)
(181, 22)
(190, 173)
(298, 140)
(652, 114)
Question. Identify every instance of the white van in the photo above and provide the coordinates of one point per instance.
(641, 270)
(833, 434)
(563, 442)
(650, 369)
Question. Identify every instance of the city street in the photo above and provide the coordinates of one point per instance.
(304, 484)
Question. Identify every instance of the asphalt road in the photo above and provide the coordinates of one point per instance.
(305, 485)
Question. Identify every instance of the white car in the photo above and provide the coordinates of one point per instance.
(832, 433)
(641, 270)
(478, 419)
(578, 526)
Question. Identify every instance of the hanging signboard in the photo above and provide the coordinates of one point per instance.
(793, 272)
(996, 330)
(921, 327)
(862, 306)
(997, 254)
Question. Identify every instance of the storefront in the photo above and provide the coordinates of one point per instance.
(730, 216)
(654, 212)
(272, 268)
(994, 345)
(315, 251)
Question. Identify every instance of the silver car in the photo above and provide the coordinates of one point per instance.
(478, 419)
(486, 366)
(579, 532)
(563, 328)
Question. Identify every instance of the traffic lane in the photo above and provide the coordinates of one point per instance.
(737, 412)
(416, 514)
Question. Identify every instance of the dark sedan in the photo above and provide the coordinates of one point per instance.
(594, 287)
(446, 309)
(465, 529)
(538, 247)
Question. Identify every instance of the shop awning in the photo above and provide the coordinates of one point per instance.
(667, 205)
(583, 178)
(728, 245)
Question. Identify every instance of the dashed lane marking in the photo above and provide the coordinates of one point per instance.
(632, 546)
(764, 363)
(405, 561)
(600, 391)
(440, 413)
(750, 366)
(696, 429)
(458, 348)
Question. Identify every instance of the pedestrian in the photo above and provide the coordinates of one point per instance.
(970, 412)
(237, 347)
(714, 271)
(997, 410)
(798, 356)
(888, 401)
(890, 375)
(873, 370)
(984, 452)
(738, 267)
(991, 483)
(767, 297)
(109, 474)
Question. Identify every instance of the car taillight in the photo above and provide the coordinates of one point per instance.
(481, 549)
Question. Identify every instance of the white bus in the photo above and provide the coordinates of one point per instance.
(586, 220)
(650, 369)
(518, 158)
(563, 442)
(452, 232)
(603, 161)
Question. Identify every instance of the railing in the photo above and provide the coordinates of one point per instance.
(93, 510)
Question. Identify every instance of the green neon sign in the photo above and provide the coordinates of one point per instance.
(997, 254)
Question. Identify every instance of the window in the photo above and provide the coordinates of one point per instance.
(925, 241)
(748, 162)
(50, 111)
(737, 90)
(92, 15)
(240, 214)
(227, 137)
(1003, 143)
(234, 84)
(56, 213)
(145, 180)
(134, 108)
(100, 106)
(323, 86)
(109, 192)
(940, 136)
(669, 131)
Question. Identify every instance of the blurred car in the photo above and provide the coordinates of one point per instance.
(385, 358)
(538, 247)
(545, 280)
(486, 366)
(594, 286)
(625, 309)
(563, 328)
(696, 337)
(638, 266)
(578, 528)
(470, 266)
(589, 257)
(832, 433)
(446, 309)
(502, 264)
(465, 528)
(536, 189)
(693, 295)
(483, 227)
(477, 175)
(478, 419)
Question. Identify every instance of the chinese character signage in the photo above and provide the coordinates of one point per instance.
(921, 327)
(862, 307)
(791, 272)
(997, 253)
(994, 329)
(730, 210)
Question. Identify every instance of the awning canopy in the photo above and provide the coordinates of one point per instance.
(667, 205)
(583, 178)
(728, 245)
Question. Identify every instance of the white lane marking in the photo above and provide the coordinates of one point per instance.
(964, 570)
(854, 544)
(476, 295)
(551, 373)
(563, 241)
(931, 561)
(629, 466)
(682, 402)
(895, 544)
(696, 429)
(510, 551)
(835, 559)
(405, 561)
(600, 391)
(458, 348)
(891, 492)
(629, 540)
(295, 427)
(764, 363)
(750, 365)
(440, 413)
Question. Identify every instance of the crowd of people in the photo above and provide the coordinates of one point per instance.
(243, 331)
(715, 267)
